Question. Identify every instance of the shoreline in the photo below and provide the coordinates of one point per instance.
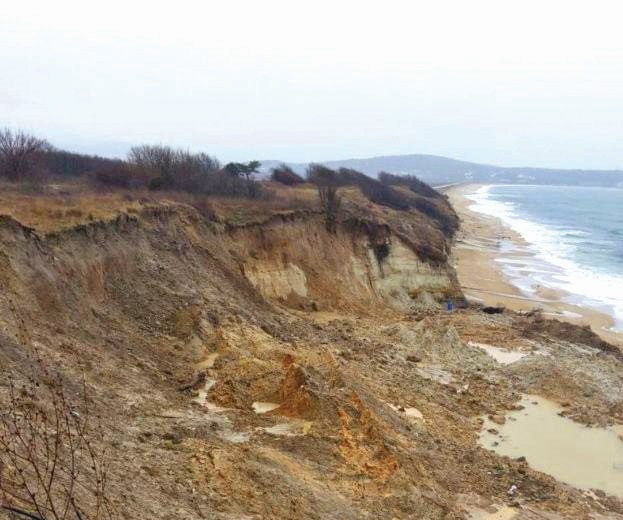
(481, 241)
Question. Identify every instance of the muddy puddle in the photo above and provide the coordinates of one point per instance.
(586, 458)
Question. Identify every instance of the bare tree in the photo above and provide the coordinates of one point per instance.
(154, 160)
(330, 200)
(51, 468)
(170, 168)
(20, 154)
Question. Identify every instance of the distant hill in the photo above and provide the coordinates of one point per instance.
(442, 170)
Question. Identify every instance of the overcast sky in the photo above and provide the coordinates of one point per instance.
(514, 83)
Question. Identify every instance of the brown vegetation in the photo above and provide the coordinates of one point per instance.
(21, 155)
(25, 158)
(286, 175)
(391, 194)
(411, 182)
(327, 183)
(60, 163)
(52, 459)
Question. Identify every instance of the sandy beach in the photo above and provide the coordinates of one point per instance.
(483, 239)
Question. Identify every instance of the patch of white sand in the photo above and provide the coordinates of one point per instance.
(290, 429)
(264, 407)
(409, 411)
(502, 356)
(435, 373)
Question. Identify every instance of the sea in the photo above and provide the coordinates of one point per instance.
(574, 236)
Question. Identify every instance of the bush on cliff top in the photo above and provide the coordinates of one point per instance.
(411, 182)
(388, 192)
(286, 175)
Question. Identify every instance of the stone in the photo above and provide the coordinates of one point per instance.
(414, 358)
(498, 419)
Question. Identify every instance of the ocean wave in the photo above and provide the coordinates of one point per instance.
(556, 246)
(574, 233)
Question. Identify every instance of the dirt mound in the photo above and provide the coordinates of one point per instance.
(565, 331)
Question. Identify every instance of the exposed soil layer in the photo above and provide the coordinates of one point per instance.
(274, 370)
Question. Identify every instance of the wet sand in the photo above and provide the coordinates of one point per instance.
(482, 240)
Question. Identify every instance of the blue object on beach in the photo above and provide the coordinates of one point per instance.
(450, 305)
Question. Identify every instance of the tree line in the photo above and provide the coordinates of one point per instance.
(25, 158)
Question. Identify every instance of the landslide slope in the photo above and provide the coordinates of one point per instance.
(253, 365)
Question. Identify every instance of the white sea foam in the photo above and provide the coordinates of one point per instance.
(555, 247)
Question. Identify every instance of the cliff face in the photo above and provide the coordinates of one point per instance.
(291, 261)
(266, 368)
(303, 266)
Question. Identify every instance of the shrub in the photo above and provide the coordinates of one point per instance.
(423, 198)
(191, 172)
(321, 175)
(330, 200)
(327, 181)
(286, 175)
(384, 195)
(411, 182)
(224, 184)
(154, 161)
(155, 184)
(120, 175)
(373, 189)
(21, 155)
(53, 460)
(166, 168)
(68, 164)
(246, 170)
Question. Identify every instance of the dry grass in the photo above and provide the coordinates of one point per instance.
(55, 209)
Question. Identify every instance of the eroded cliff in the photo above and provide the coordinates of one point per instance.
(248, 366)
